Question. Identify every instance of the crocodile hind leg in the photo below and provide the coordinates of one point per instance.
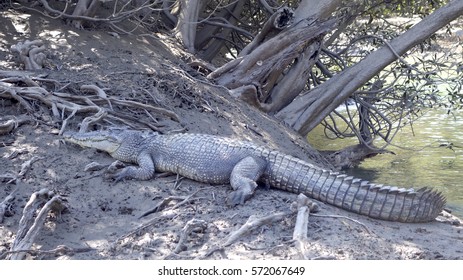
(243, 179)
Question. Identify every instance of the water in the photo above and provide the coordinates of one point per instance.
(432, 156)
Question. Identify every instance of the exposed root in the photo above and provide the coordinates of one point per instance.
(60, 250)
(97, 103)
(251, 224)
(161, 205)
(10, 123)
(303, 206)
(29, 226)
(30, 54)
(6, 204)
(192, 225)
(24, 168)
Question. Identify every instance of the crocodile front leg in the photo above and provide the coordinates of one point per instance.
(144, 171)
(243, 179)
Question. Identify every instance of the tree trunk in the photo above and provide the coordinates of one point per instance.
(205, 39)
(304, 113)
(267, 62)
(316, 9)
(85, 8)
(187, 21)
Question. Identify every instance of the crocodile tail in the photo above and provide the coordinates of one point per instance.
(351, 194)
(378, 201)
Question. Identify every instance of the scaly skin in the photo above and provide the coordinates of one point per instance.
(220, 160)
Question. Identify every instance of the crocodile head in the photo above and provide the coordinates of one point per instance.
(109, 141)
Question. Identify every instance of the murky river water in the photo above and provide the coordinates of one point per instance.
(433, 157)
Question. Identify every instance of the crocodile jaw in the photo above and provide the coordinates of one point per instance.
(102, 141)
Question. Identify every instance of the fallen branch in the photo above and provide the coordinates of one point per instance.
(304, 206)
(29, 227)
(253, 223)
(145, 225)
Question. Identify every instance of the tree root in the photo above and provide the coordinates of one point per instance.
(29, 226)
(24, 168)
(5, 205)
(266, 60)
(10, 123)
(192, 225)
(30, 53)
(303, 206)
(251, 224)
(145, 225)
(60, 250)
(60, 102)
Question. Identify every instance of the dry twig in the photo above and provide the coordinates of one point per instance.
(161, 205)
(343, 217)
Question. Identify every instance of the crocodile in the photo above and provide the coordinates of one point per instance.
(242, 164)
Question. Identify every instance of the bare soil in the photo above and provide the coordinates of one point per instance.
(104, 217)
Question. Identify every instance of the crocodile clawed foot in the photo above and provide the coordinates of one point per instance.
(120, 176)
(237, 197)
(117, 179)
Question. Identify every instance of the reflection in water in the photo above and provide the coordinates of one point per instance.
(431, 156)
